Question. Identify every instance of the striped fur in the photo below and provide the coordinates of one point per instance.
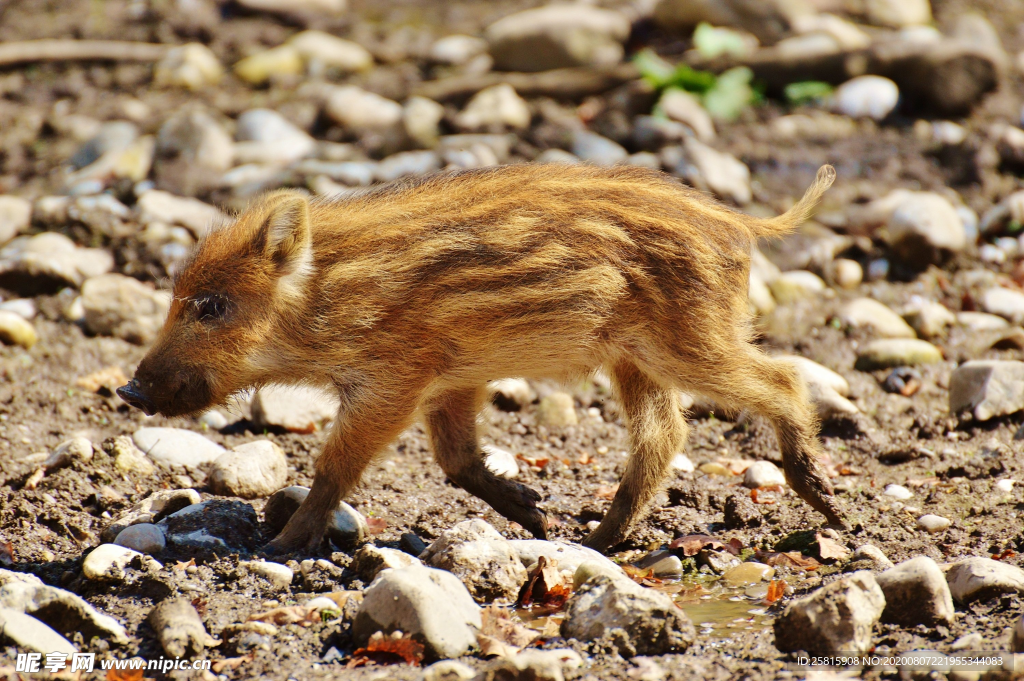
(407, 299)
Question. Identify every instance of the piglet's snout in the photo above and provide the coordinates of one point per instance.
(133, 395)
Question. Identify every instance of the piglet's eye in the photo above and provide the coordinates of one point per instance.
(211, 308)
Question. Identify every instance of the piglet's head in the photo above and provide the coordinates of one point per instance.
(233, 310)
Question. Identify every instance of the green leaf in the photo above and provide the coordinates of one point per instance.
(714, 42)
(731, 94)
(662, 75)
(807, 91)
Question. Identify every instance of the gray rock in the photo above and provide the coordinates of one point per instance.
(422, 118)
(151, 510)
(931, 319)
(828, 390)
(29, 633)
(64, 611)
(124, 307)
(48, 262)
(557, 410)
(512, 394)
(594, 148)
(557, 36)
(1005, 303)
(500, 462)
(653, 132)
(193, 66)
(142, 537)
(924, 228)
(297, 409)
(871, 314)
(10, 576)
(893, 352)
(795, 285)
(556, 156)
(769, 20)
(534, 664)
(179, 628)
(107, 562)
(457, 49)
(347, 527)
(837, 618)
(866, 97)
(989, 388)
(448, 670)
(275, 573)
(569, 556)
(251, 470)
(159, 206)
(686, 108)
(193, 151)
(873, 554)
(407, 163)
(716, 171)
(112, 137)
(431, 605)
(763, 474)
(349, 173)
(476, 553)
(217, 525)
(651, 621)
(494, 109)
(916, 592)
(281, 505)
(360, 111)
(982, 578)
(15, 216)
(23, 307)
(932, 523)
(663, 564)
(177, 446)
(265, 136)
(588, 568)
(370, 561)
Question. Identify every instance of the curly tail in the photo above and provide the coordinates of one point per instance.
(803, 208)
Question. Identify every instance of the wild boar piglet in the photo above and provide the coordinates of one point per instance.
(409, 298)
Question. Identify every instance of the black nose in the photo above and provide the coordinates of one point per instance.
(134, 396)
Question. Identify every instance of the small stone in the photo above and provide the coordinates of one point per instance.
(837, 618)
(265, 136)
(872, 553)
(251, 470)
(193, 66)
(652, 622)
(741, 512)
(198, 217)
(325, 50)
(932, 523)
(535, 664)
(511, 394)
(483, 559)
(66, 612)
(720, 561)
(662, 564)
(360, 111)
(347, 527)
(847, 274)
(828, 390)
(897, 492)
(1017, 641)
(866, 97)
(796, 285)
(284, 60)
(887, 353)
(281, 505)
(213, 419)
(989, 388)
(682, 464)
(153, 508)
(298, 9)
(982, 578)
(179, 628)
(23, 307)
(1004, 486)
(923, 228)
(587, 569)
(1005, 303)
(369, 561)
(685, 108)
(981, 321)
(29, 633)
(748, 573)
(931, 319)
(897, 13)
(217, 525)
(717, 171)
(297, 409)
(422, 119)
(48, 262)
(500, 462)
(129, 459)
(116, 305)
(494, 109)
(557, 410)
(916, 593)
(569, 556)
(193, 151)
(176, 446)
(15, 217)
(763, 474)
(275, 573)
(15, 330)
(456, 50)
(557, 36)
(108, 562)
(448, 670)
(431, 605)
(143, 537)
(593, 148)
(869, 313)
(407, 163)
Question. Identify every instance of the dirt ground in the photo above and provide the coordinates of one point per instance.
(913, 441)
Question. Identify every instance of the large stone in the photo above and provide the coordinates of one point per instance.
(251, 470)
(982, 578)
(837, 618)
(871, 314)
(763, 474)
(107, 562)
(894, 352)
(989, 388)
(265, 136)
(142, 537)
(15, 216)
(717, 171)
(486, 562)
(124, 307)
(217, 525)
(151, 510)
(197, 216)
(48, 262)
(790, 287)
(569, 556)
(370, 561)
(916, 592)
(557, 36)
(652, 622)
(297, 409)
(29, 633)
(828, 390)
(177, 446)
(1005, 303)
(431, 605)
(64, 611)
(347, 528)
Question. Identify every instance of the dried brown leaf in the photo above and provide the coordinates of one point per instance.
(384, 650)
(776, 590)
(793, 559)
(289, 614)
(692, 544)
(376, 525)
(830, 549)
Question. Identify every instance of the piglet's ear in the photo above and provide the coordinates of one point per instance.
(286, 231)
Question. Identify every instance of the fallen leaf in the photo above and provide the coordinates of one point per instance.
(776, 590)
(636, 574)
(288, 614)
(181, 566)
(229, 663)
(200, 605)
(125, 674)
(544, 586)
(606, 492)
(539, 462)
(397, 648)
(830, 549)
(493, 647)
(33, 480)
(754, 496)
(793, 559)
(6, 553)
(376, 525)
(106, 380)
(1008, 553)
(502, 636)
(692, 544)
(848, 470)
(735, 466)
(585, 458)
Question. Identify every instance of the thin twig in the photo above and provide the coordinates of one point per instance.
(79, 50)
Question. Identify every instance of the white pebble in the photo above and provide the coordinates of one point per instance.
(681, 462)
(933, 523)
(897, 492)
(866, 96)
(500, 462)
(1005, 486)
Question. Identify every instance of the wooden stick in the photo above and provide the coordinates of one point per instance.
(79, 50)
(570, 83)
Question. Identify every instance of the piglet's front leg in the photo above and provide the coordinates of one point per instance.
(358, 435)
